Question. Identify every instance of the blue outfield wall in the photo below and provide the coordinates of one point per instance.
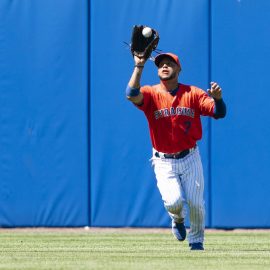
(43, 113)
(240, 143)
(75, 152)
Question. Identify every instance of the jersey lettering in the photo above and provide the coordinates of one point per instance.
(166, 112)
(174, 111)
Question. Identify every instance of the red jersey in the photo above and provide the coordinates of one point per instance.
(174, 121)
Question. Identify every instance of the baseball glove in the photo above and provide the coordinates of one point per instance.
(142, 46)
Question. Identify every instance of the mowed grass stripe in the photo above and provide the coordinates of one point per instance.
(129, 250)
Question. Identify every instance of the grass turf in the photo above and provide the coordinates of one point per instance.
(131, 250)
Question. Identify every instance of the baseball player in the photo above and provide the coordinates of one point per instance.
(173, 112)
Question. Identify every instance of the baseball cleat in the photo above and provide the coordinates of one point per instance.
(196, 246)
(179, 231)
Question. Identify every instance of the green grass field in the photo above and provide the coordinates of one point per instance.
(131, 249)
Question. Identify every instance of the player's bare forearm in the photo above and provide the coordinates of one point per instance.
(135, 79)
(135, 82)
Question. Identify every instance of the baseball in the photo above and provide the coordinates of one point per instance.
(147, 32)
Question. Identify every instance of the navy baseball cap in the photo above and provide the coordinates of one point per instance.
(174, 57)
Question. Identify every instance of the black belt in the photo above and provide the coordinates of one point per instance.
(179, 155)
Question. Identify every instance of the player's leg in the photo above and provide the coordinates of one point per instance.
(193, 185)
(171, 191)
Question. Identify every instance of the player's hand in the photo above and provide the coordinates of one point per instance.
(215, 91)
(139, 61)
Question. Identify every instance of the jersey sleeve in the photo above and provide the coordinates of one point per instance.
(206, 104)
(147, 93)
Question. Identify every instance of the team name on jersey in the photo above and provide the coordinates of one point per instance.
(166, 112)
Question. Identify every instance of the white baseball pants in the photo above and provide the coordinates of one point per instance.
(181, 184)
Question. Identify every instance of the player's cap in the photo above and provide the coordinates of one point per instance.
(174, 57)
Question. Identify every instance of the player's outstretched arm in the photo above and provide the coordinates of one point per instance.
(133, 89)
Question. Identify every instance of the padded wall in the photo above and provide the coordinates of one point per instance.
(46, 149)
(123, 186)
(43, 113)
(240, 62)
